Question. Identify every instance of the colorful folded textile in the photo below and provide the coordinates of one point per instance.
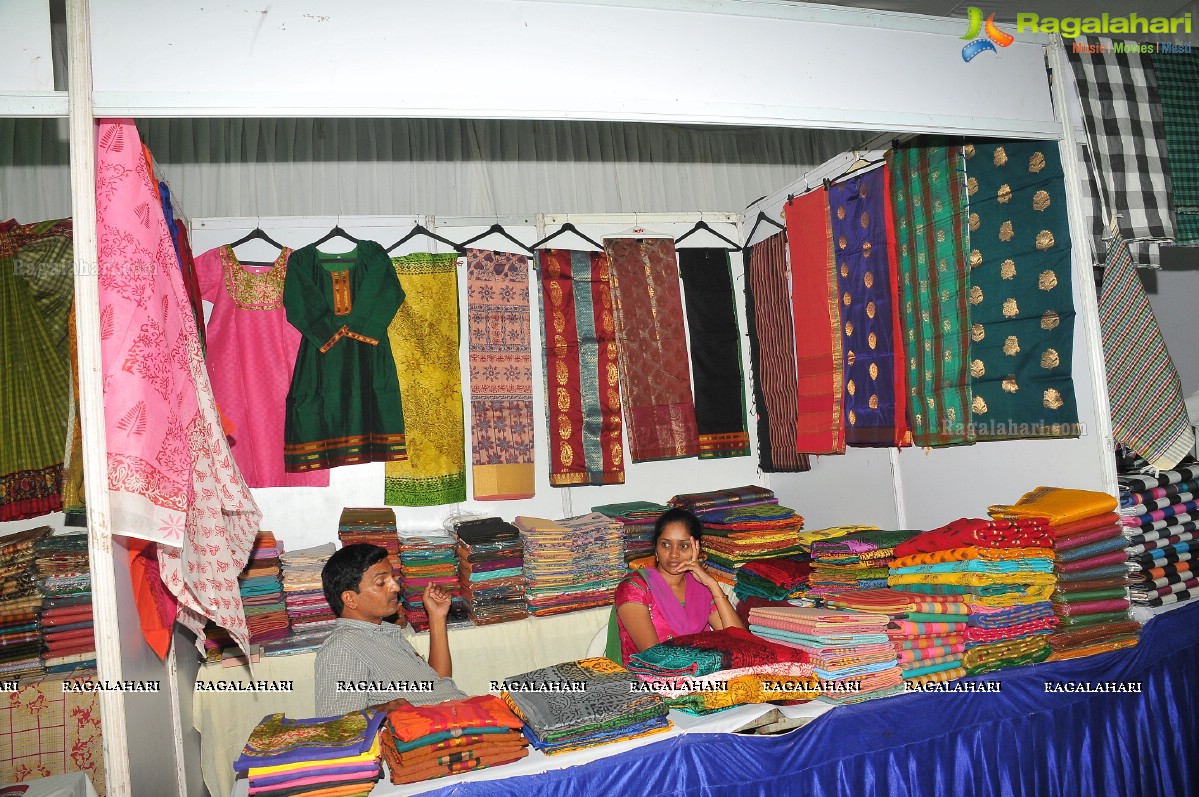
(702, 654)
(277, 740)
(968, 532)
(571, 564)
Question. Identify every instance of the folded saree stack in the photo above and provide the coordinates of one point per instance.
(65, 582)
(376, 526)
(715, 670)
(638, 518)
(491, 570)
(429, 557)
(421, 743)
(928, 632)
(774, 579)
(581, 704)
(857, 560)
(1090, 596)
(571, 564)
(262, 591)
(1003, 569)
(1160, 515)
(309, 613)
(320, 757)
(741, 525)
(20, 605)
(849, 651)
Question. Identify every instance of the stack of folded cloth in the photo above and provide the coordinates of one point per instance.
(309, 613)
(491, 574)
(715, 670)
(425, 742)
(928, 632)
(20, 603)
(1004, 570)
(65, 581)
(638, 518)
(1160, 515)
(374, 526)
(857, 560)
(774, 579)
(323, 757)
(581, 704)
(1090, 597)
(571, 564)
(429, 557)
(741, 525)
(809, 537)
(849, 651)
(262, 592)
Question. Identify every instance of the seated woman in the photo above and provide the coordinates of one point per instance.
(675, 597)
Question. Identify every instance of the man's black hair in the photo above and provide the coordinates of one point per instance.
(344, 571)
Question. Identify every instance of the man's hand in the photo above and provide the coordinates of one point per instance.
(437, 602)
(391, 705)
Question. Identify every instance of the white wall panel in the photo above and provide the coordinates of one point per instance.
(25, 61)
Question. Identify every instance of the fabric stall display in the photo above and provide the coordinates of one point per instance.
(429, 557)
(1149, 414)
(858, 560)
(715, 353)
(421, 743)
(1090, 597)
(20, 606)
(1160, 515)
(308, 612)
(344, 404)
(501, 375)
(424, 344)
(36, 298)
(849, 651)
(65, 582)
(928, 194)
(1003, 569)
(776, 579)
(772, 342)
(748, 670)
(927, 631)
(1127, 166)
(581, 365)
(1021, 304)
(571, 564)
(638, 518)
(250, 353)
(491, 571)
(374, 526)
(323, 756)
(262, 591)
(611, 707)
(1178, 87)
(655, 374)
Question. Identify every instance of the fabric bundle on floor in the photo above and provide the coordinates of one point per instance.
(262, 591)
(1159, 516)
(20, 605)
(1003, 569)
(1087, 543)
(323, 756)
(638, 518)
(491, 574)
(581, 704)
(857, 560)
(776, 579)
(65, 582)
(429, 557)
(309, 613)
(849, 651)
(425, 742)
(571, 564)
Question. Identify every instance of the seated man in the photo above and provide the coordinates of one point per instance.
(366, 662)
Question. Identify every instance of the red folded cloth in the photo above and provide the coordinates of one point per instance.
(1112, 558)
(1086, 524)
(1084, 537)
(966, 532)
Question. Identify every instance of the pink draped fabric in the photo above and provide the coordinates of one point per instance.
(171, 477)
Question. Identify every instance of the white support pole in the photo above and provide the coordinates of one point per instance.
(91, 395)
(1088, 311)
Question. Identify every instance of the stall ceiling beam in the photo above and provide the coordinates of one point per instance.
(33, 103)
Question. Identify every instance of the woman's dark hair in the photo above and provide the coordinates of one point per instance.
(344, 571)
(693, 524)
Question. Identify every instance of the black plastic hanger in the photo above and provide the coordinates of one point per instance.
(256, 234)
(336, 232)
(421, 229)
(567, 227)
(496, 229)
(703, 225)
(762, 217)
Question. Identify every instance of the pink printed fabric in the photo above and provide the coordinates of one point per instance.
(171, 477)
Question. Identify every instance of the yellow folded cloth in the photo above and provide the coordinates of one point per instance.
(1060, 505)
